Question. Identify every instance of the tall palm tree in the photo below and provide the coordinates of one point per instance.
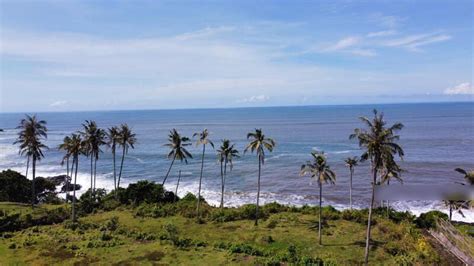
(76, 147)
(177, 145)
(32, 131)
(320, 170)
(127, 140)
(113, 137)
(226, 153)
(259, 143)
(380, 145)
(203, 139)
(94, 138)
(351, 162)
(65, 146)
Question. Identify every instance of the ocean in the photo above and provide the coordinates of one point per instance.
(437, 138)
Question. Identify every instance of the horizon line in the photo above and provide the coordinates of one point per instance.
(239, 107)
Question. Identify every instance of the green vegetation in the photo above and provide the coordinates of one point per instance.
(168, 233)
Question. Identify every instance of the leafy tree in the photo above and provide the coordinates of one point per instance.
(380, 147)
(32, 132)
(14, 187)
(319, 170)
(203, 139)
(177, 145)
(259, 143)
(226, 153)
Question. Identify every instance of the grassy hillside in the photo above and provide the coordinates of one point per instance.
(131, 235)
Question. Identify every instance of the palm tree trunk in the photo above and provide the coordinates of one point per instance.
(350, 188)
(450, 211)
(33, 196)
(367, 242)
(76, 159)
(222, 187)
(169, 169)
(121, 167)
(95, 174)
(320, 207)
(67, 178)
(92, 176)
(115, 176)
(27, 165)
(200, 179)
(258, 188)
(177, 184)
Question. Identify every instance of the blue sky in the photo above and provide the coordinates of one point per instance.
(107, 55)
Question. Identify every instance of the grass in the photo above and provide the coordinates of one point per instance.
(122, 237)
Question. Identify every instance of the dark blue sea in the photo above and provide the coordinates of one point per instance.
(437, 138)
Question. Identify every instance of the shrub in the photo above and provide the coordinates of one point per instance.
(428, 220)
(246, 249)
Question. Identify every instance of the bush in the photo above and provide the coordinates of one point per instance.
(14, 187)
(428, 220)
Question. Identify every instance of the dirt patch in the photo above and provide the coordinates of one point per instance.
(153, 256)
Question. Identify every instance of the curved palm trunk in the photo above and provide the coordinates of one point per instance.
(450, 211)
(76, 159)
(27, 165)
(222, 187)
(121, 167)
(169, 169)
(258, 188)
(350, 188)
(200, 180)
(33, 196)
(320, 206)
(367, 242)
(177, 184)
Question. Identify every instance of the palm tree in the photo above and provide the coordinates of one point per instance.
(203, 139)
(32, 131)
(258, 144)
(113, 137)
(380, 145)
(469, 176)
(351, 162)
(226, 153)
(177, 144)
(88, 136)
(76, 148)
(320, 170)
(65, 146)
(127, 140)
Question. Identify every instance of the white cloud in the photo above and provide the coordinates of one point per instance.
(381, 33)
(58, 103)
(386, 20)
(413, 42)
(343, 44)
(254, 99)
(463, 88)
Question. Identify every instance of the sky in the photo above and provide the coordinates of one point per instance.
(111, 55)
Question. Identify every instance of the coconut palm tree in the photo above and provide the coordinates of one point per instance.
(351, 162)
(65, 146)
(94, 138)
(259, 143)
(226, 153)
(32, 131)
(76, 147)
(380, 147)
(319, 170)
(469, 176)
(203, 139)
(177, 145)
(113, 137)
(127, 139)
